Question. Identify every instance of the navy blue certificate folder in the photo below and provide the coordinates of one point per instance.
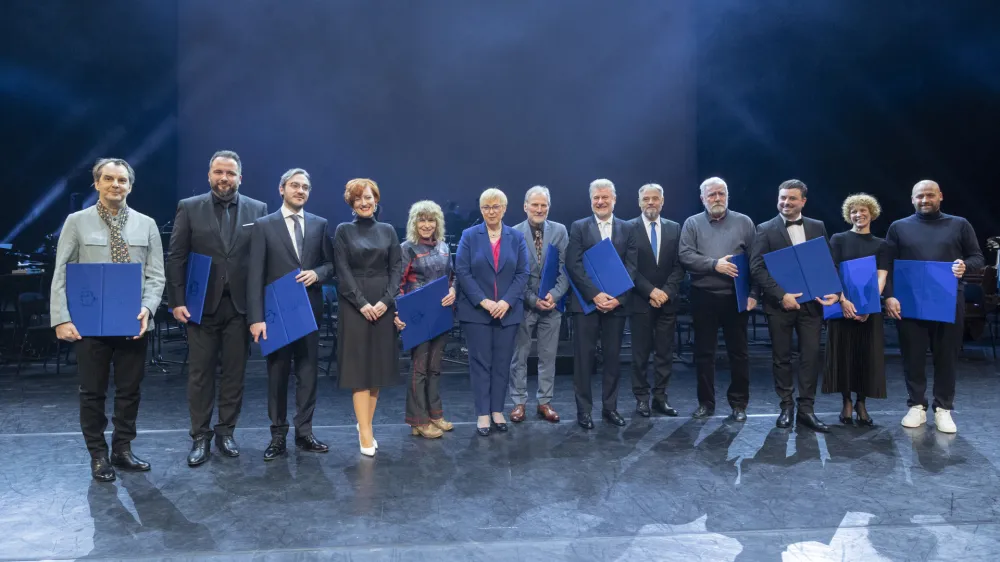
(742, 281)
(550, 271)
(104, 299)
(287, 313)
(805, 268)
(606, 271)
(199, 268)
(423, 314)
(860, 280)
(926, 290)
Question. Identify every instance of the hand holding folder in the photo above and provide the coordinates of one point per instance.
(926, 290)
(805, 268)
(288, 315)
(742, 280)
(550, 273)
(860, 280)
(104, 298)
(605, 269)
(423, 314)
(198, 270)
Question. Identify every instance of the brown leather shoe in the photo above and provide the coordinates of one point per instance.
(517, 414)
(546, 411)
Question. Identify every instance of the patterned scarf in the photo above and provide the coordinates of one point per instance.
(119, 249)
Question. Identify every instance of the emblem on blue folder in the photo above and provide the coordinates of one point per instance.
(87, 297)
(269, 316)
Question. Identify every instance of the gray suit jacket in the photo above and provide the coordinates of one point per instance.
(86, 238)
(555, 234)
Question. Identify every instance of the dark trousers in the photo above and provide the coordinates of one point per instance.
(712, 310)
(226, 330)
(95, 358)
(587, 328)
(807, 323)
(945, 341)
(423, 399)
(652, 333)
(304, 352)
(491, 347)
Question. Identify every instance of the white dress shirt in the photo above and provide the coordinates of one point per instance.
(649, 236)
(796, 232)
(605, 227)
(290, 223)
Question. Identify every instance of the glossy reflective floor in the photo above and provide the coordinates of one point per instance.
(659, 489)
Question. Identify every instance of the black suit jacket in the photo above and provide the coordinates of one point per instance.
(583, 234)
(771, 236)
(197, 230)
(667, 275)
(272, 255)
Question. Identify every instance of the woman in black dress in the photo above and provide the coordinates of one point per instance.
(855, 345)
(369, 267)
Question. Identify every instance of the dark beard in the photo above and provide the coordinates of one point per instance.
(226, 196)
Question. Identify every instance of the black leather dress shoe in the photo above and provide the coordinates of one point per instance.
(812, 422)
(501, 427)
(101, 470)
(200, 451)
(703, 412)
(642, 408)
(613, 417)
(739, 415)
(585, 421)
(664, 408)
(125, 460)
(785, 418)
(227, 445)
(311, 444)
(483, 431)
(274, 449)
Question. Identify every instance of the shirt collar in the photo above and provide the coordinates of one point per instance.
(791, 219)
(608, 222)
(648, 222)
(286, 212)
(220, 201)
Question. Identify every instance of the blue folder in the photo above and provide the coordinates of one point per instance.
(423, 314)
(742, 281)
(805, 268)
(860, 280)
(605, 269)
(287, 313)
(550, 273)
(926, 290)
(199, 268)
(104, 299)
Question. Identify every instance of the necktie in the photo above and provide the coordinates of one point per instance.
(799, 222)
(538, 245)
(652, 241)
(299, 239)
(226, 226)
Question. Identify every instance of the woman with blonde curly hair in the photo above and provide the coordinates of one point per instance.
(367, 256)
(855, 357)
(426, 257)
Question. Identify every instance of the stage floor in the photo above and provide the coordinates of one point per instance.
(658, 489)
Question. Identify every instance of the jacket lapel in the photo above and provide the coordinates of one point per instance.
(238, 227)
(207, 216)
(595, 232)
(309, 226)
(779, 224)
(506, 242)
(546, 240)
(661, 224)
(279, 223)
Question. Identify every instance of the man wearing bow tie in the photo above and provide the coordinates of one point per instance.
(784, 314)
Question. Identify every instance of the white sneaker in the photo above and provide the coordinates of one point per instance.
(916, 417)
(943, 421)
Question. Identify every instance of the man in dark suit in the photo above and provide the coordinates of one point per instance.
(215, 224)
(608, 321)
(784, 314)
(653, 318)
(282, 242)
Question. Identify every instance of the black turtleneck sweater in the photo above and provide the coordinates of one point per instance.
(935, 237)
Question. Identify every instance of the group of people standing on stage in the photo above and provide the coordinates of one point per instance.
(494, 284)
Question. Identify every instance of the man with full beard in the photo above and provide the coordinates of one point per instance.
(216, 224)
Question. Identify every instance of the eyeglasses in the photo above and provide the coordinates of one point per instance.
(491, 208)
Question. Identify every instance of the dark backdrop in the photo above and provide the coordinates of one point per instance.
(442, 99)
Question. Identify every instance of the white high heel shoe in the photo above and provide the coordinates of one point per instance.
(367, 451)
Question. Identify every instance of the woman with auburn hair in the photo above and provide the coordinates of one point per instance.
(367, 257)
(855, 345)
(491, 267)
(426, 257)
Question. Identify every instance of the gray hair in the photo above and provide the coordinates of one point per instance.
(424, 210)
(535, 191)
(228, 154)
(710, 182)
(288, 175)
(102, 162)
(493, 194)
(655, 186)
(602, 184)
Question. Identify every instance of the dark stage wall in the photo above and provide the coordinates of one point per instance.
(442, 99)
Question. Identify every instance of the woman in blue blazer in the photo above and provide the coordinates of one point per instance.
(491, 270)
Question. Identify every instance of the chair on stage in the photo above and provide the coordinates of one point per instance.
(37, 339)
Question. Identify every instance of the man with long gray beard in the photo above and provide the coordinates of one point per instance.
(216, 224)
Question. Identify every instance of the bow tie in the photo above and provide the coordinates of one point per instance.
(792, 223)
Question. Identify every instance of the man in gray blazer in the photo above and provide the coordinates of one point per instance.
(109, 232)
(540, 313)
(215, 224)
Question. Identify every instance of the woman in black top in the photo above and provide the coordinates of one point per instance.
(367, 256)
(426, 257)
(855, 346)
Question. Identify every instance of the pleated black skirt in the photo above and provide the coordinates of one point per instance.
(855, 357)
